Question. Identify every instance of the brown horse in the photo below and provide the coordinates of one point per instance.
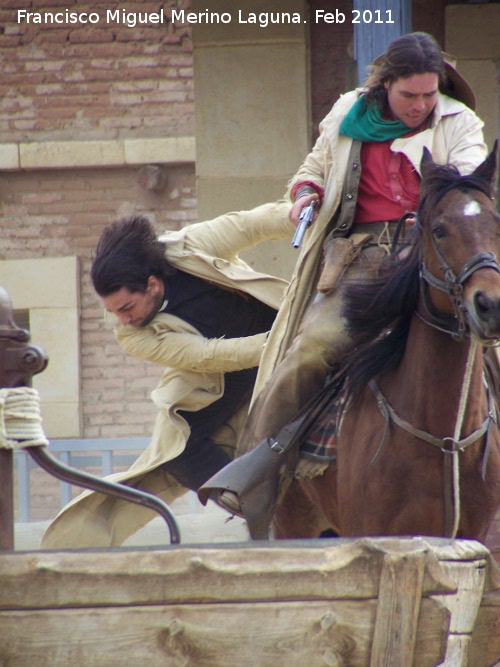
(418, 439)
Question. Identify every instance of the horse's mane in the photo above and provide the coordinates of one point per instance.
(378, 312)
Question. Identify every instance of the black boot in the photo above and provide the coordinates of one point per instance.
(254, 478)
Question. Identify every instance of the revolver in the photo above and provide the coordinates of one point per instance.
(305, 219)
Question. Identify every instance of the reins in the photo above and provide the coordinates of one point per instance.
(450, 446)
(455, 477)
(455, 325)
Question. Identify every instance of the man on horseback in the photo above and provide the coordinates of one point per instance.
(362, 175)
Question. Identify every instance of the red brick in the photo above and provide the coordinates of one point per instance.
(56, 84)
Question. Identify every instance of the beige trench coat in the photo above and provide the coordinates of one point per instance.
(455, 137)
(194, 370)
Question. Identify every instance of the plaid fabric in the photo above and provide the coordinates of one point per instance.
(320, 443)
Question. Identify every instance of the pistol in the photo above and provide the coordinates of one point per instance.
(305, 219)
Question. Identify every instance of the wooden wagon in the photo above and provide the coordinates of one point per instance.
(354, 603)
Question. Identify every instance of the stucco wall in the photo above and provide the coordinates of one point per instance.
(472, 35)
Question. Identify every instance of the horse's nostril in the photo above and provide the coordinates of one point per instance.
(487, 310)
(483, 303)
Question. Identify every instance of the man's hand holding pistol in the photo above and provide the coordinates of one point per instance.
(303, 214)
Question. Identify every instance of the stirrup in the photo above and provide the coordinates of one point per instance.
(224, 500)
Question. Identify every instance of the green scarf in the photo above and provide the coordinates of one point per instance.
(364, 122)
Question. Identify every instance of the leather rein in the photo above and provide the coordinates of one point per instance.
(456, 325)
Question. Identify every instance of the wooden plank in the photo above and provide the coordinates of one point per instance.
(464, 604)
(457, 653)
(174, 575)
(398, 610)
(452, 549)
(485, 642)
(290, 634)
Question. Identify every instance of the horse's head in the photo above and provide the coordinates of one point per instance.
(461, 247)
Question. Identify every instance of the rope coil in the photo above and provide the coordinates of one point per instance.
(20, 419)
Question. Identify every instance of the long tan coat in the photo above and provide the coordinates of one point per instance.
(194, 370)
(455, 137)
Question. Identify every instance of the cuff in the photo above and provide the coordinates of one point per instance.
(309, 184)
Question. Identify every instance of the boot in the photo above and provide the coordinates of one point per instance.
(254, 478)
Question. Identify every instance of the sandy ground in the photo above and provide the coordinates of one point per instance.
(197, 524)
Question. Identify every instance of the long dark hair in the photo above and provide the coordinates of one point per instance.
(415, 53)
(127, 254)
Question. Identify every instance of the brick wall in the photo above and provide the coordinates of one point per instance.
(54, 214)
(104, 81)
(65, 82)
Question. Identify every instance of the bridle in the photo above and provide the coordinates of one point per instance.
(453, 285)
(454, 324)
(457, 326)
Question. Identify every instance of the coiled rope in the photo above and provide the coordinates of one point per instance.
(20, 419)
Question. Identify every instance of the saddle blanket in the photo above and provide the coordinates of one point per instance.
(320, 443)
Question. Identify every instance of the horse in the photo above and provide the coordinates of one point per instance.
(418, 438)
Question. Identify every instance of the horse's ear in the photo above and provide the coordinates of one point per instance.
(426, 163)
(487, 170)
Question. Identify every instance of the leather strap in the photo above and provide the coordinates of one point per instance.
(297, 429)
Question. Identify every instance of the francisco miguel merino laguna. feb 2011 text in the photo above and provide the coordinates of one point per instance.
(262, 19)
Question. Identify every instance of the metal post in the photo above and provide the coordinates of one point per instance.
(19, 361)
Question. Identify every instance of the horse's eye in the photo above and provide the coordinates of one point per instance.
(438, 231)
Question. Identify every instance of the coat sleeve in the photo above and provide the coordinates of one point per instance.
(191, 351)
(227, 235)
(313, 168)
(318, 164)
(466, 146)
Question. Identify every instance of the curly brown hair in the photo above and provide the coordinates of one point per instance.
(415, 53)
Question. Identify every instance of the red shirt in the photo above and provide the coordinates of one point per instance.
(389, 185)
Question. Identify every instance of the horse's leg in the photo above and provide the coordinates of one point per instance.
(322, 490)
(308, 507)
(297, 516)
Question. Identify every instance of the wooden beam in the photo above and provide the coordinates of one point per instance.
(398, 610)
(286, 571)
(277, 634)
